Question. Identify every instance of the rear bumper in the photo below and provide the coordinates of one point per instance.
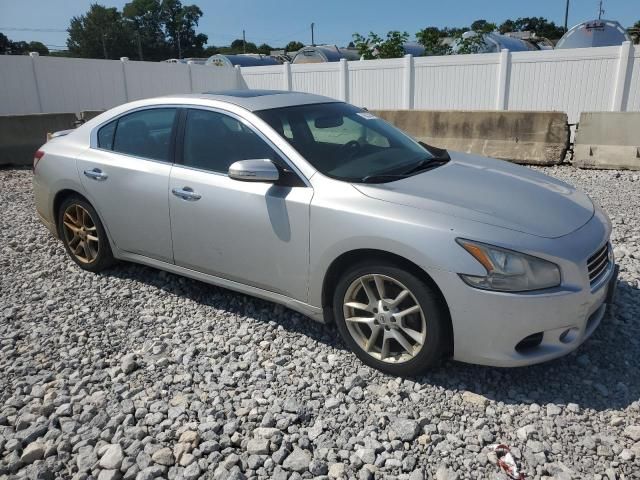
(50, 226)
(43, 203)
(488, 326)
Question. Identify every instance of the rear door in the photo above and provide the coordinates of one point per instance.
(126, 177)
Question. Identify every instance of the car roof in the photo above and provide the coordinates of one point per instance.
(254, 100)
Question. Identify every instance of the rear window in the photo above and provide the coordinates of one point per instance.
(105, 135)
(145, 134)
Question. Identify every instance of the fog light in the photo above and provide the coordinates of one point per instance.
(569, 335)
(529, 343)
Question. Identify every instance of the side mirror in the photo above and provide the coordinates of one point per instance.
(262, 170)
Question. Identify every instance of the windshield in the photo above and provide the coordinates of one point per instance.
(345, 142)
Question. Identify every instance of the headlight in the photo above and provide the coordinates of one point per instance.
(509, 271)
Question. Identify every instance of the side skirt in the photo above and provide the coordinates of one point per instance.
(314, 313)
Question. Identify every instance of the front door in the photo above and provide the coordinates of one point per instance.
(126, 178)
(253, 233)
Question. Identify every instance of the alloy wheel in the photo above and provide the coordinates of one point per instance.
(80, 233)
(384, 318)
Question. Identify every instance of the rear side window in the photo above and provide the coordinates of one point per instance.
(146, 134)
(105, 135)
(213, 141)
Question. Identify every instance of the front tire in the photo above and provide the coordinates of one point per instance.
(391, 319)
(83, 235)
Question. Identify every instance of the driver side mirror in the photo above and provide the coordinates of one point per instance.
(262, 170)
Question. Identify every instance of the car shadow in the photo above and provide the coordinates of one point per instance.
(601, 374)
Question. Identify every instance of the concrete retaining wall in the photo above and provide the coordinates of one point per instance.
(608, 140)
(537, 138)
(21, 135)
(87, 115)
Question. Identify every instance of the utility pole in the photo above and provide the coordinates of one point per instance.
(104, 45)
(139, 46)
(600, 11)
(566, 17)
(244, 42)
(313, 41)
(179, 46)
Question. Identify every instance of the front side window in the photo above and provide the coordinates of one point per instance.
(213, 141)
(345, 142)
(145, 133)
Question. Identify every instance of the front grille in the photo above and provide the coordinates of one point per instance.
(598, 263)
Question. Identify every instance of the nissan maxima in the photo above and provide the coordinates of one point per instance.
(414, 252)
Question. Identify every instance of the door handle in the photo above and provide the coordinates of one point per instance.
(96, 174)
(186, 193)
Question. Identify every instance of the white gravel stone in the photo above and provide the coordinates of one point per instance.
(171, 369)
(298, 460)
(258, 446)
(33, 452)
(112, 457)
(633, 432)
(163, 456)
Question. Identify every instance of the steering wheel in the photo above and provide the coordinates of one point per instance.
(352, 145)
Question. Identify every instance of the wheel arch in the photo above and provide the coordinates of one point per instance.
(346, 259)
(60, 197)
(65, 193)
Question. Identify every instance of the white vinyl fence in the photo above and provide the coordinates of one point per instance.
(66, 85)
(571, 81)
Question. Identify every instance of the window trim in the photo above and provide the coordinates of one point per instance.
(93, 139)
(179, 144)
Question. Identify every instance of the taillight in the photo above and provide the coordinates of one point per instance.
(36, 158)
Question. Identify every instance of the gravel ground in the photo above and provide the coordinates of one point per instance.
(139, 374)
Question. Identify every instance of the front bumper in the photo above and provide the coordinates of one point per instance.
(488, 326)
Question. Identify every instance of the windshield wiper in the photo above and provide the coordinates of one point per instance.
(426, 164)
(439, 153)
(439, 157)
(383, 177)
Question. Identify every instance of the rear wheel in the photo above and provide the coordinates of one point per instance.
(83, 235)
(390, 318)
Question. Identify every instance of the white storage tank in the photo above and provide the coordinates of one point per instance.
(594, 33)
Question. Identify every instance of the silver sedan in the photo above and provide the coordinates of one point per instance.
(414, 252)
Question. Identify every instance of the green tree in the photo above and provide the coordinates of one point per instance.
(374, 46)
(39, 47)
(431, 39)
(294, 46)
(5, 44)
(453, 31)
(480, 25)
(100, 33)
(265, 49)
(19, 48)
(473, 41)
(540, 26)
(210, 50)
(7, 47)
(180, 22)
(238, 46)
(507, 26)
(147, 22)
(635, 32)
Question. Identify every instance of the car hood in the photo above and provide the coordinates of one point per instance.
(492, 192)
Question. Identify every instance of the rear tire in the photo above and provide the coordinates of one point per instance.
(401, 331)
(83, 235)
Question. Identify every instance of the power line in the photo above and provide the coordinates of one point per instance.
(15, 29)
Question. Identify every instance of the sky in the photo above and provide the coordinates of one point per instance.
(276, 22)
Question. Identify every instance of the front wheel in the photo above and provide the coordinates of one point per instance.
(83, 235)
(390, 318)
